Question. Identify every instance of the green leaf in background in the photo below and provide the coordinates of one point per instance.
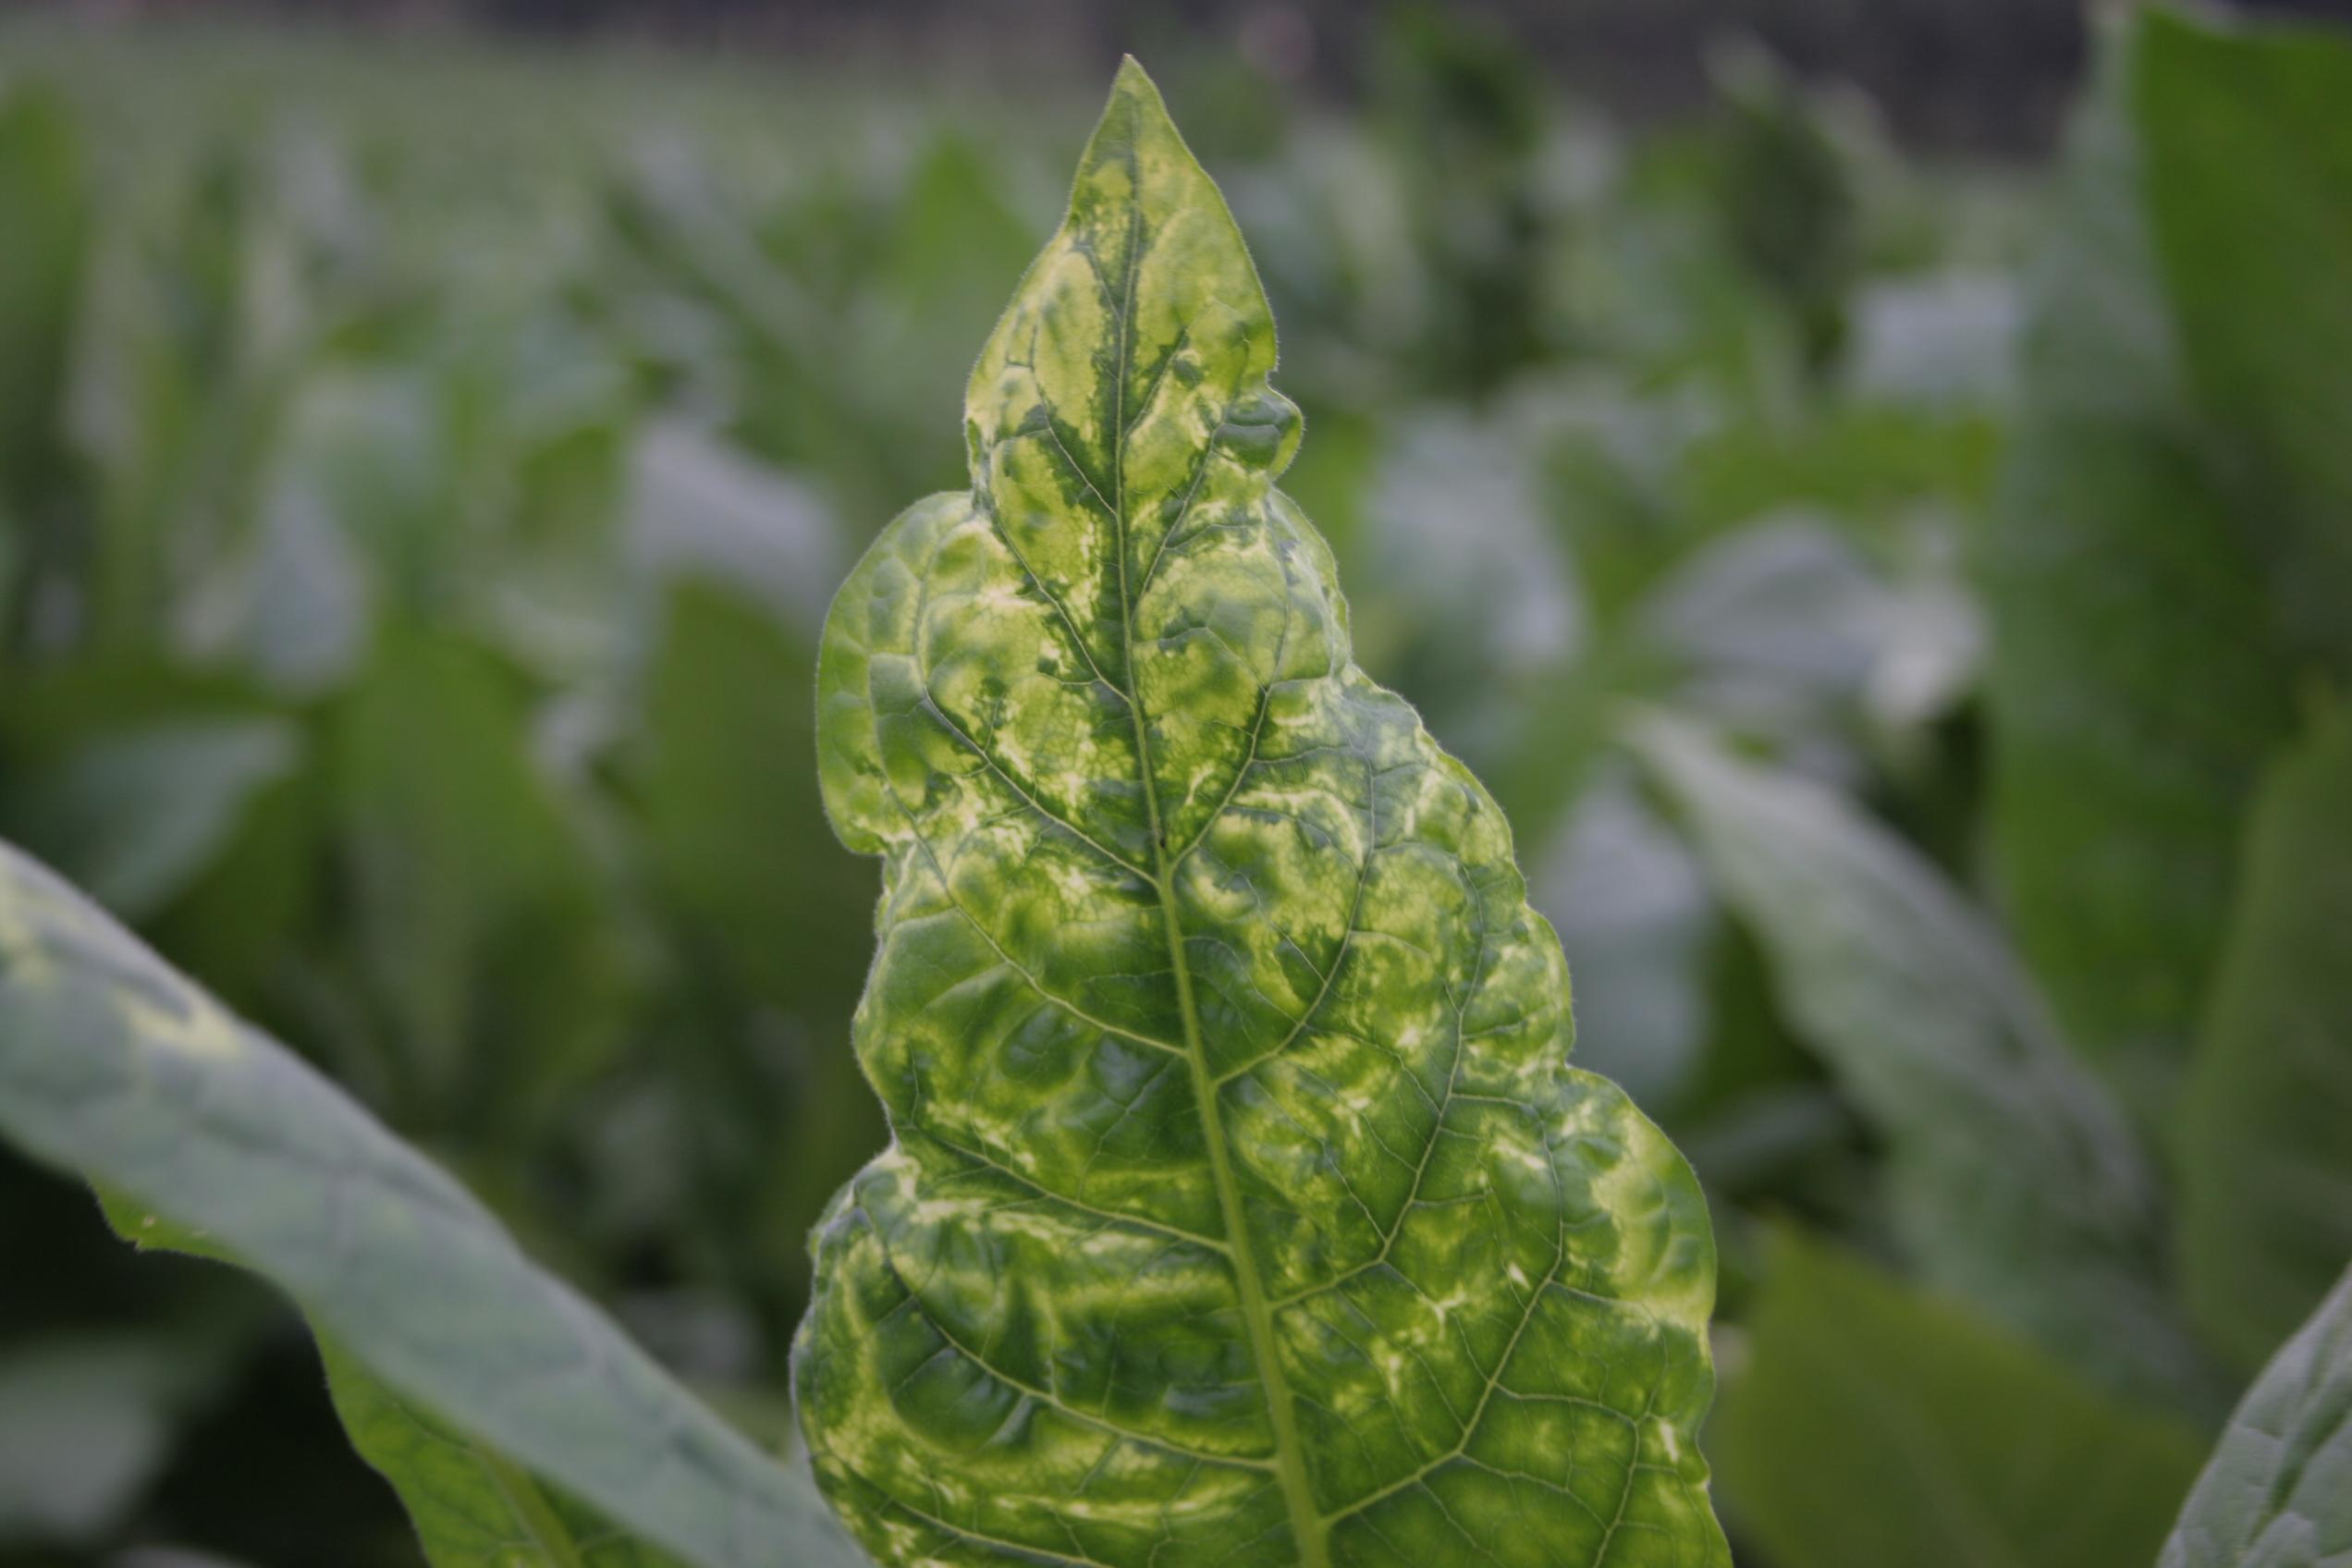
(756, 886)
(2249, 187)
(181, 799)
(134, 816)
(1874, 1426)
(488, 963)
(730, 778)
(1787, 201)
(207, 1134)
(1938, 1036)
(2277, 1492)
(1243, 1210)
(44, 211)
(699, 509)
(1628, 899)
(2266, 1117)
(2134, 684)
(87, 1419)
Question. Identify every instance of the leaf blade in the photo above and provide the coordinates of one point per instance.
(2135, 674)
(1935, 1031)
(2249, 208)
(2167, 561)
(1876, 1425)
(2277, 1492)
(2265, 1168)
(1184, 924)
(115, 1067)
(472, 1508)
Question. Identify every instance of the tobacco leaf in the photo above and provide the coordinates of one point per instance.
(206, 1136)
(2277, 1492)
(1242, 1208)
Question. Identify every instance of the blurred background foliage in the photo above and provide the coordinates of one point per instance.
(1893, 571)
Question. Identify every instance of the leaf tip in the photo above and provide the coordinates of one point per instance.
(1135, 108)
(1132, 77)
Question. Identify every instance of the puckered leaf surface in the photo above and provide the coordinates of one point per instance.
(2277, 1492)
(1242, 1208)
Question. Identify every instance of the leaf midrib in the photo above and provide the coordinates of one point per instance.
(1306, 1526)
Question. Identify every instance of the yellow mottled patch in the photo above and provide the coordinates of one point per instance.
(207, 1031)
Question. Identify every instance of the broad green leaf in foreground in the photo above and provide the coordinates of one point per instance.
(2277, 1492)
(472, 1507)
(1875, 1426)
(2266, 1119)
(2014, 1183)
(1243, 1210)
(115, 1067)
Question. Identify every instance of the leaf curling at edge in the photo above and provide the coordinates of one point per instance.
(208, 1137)
(1242, 1207)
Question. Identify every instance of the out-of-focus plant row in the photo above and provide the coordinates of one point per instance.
(1901, 610)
